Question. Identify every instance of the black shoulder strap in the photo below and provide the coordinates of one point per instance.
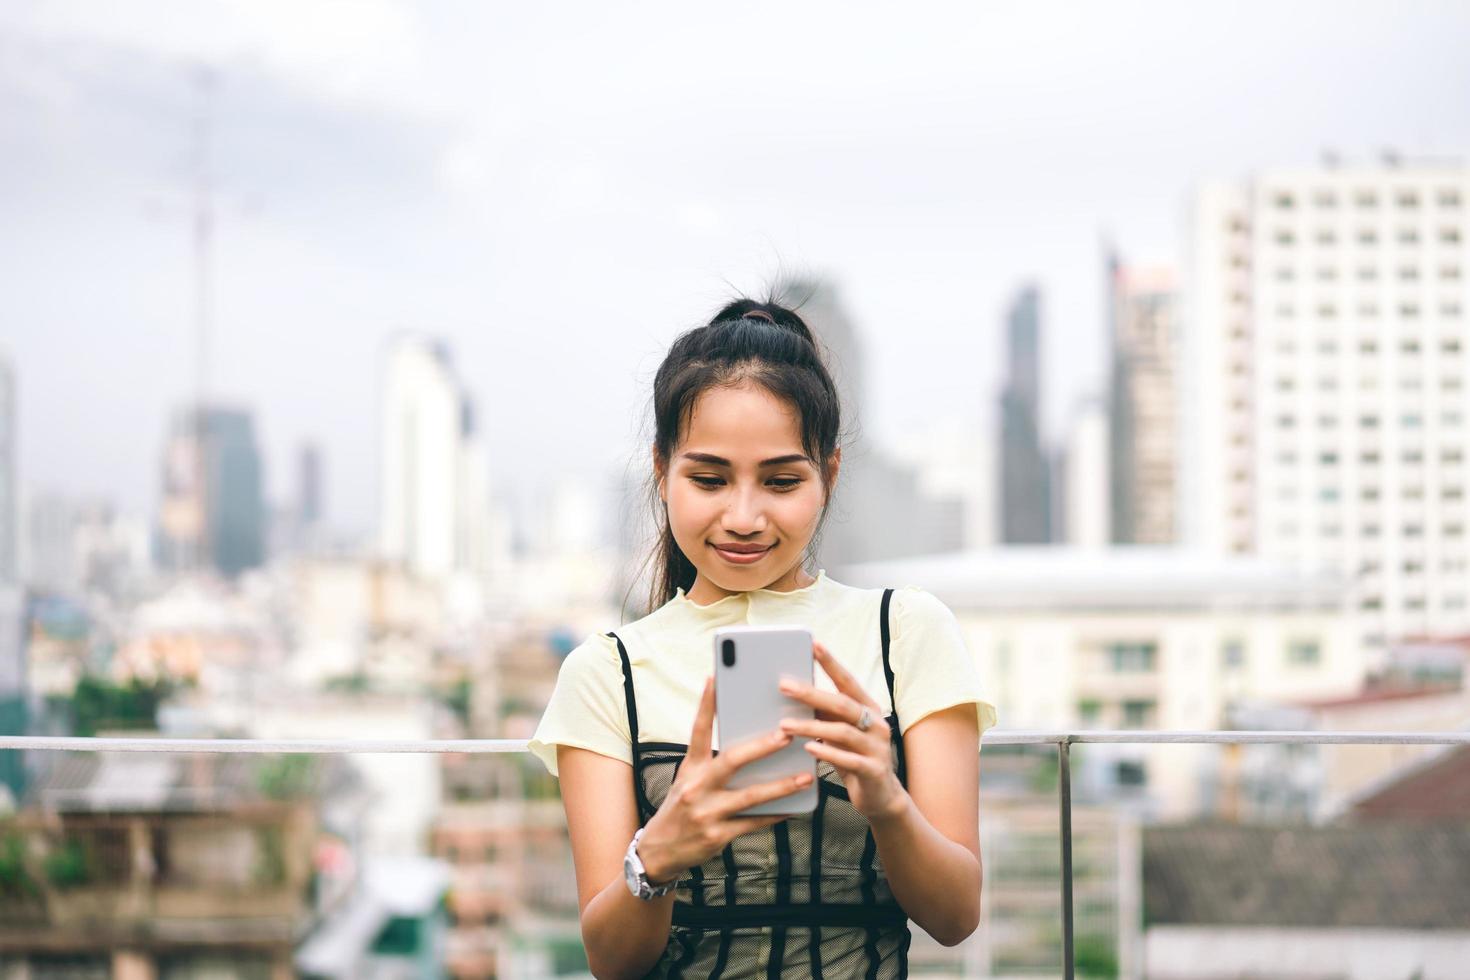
(632, 702)
(884, 632)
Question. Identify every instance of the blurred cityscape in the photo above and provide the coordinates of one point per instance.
(1259, 524)
(1253, 517)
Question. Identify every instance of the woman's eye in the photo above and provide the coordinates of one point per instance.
(708, 481)
(785, 484)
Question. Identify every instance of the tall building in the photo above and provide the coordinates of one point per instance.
(1025, 494)
(1143, 412)
(9, 460)
(309, 485)
(880, 509)
(434, 501)
(213, 510)
(1327, 383)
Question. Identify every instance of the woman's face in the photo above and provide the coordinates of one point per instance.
(743, 497)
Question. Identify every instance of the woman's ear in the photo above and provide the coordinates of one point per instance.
(834, 463)
(660, 474)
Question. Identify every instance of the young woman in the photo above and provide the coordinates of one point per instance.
(670, 882)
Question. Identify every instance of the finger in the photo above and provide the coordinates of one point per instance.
(841, 677)
(845, 761)
(704, 719)
(745, 752)
(744, 825)
(835, 705)
(839, 732)
(734, 800)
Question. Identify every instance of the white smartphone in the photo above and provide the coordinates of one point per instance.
(749, 664)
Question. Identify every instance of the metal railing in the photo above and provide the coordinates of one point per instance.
(1063, 740)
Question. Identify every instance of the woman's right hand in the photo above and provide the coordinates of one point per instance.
(697, 818)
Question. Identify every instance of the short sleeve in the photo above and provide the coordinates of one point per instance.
(586, 710)
(932, 668)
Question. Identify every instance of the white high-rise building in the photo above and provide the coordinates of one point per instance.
(434, 501)
(1326, 382)
(1144, 448)
(1085, 498)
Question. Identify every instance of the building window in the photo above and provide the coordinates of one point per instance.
(1284, 201)
(1232, 654)
(1089, 712)
(1450, 345)
(1303, 653)
(1138, 714)
(1325, 199)
(1132, 658)
(1369, 493)
(1284, 237)
(1449, 309)
(1130, 773)
(1449, 236)
(1408, 200)
(1368, 421)
(1408, 310)
(1326, 236)
(1409, 273)
(1367, 273)
(1367, 236)
(1408, 236)
(1371, 603)
(1366, 199)
(1449, 272)
(1449, 198)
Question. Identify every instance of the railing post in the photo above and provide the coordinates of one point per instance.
(1064, 793)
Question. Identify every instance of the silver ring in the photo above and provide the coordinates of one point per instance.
(865, 719)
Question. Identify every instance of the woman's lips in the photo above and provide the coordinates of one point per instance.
(737, 558)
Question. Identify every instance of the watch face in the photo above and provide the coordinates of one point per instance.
(630, 874)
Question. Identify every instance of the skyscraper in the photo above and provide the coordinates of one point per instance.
(9, 459)
(1143, 452)
(213, 508)
(309, 485)
(1327, 381)
(434, 505)
(1025, 485)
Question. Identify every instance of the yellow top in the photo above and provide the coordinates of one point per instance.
(672, 653)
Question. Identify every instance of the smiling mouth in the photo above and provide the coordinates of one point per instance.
(743, 557)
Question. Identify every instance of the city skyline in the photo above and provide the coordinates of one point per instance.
(523, 228)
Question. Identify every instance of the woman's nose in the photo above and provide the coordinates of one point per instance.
(745, 514)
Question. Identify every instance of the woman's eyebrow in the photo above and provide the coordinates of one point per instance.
(714, 460)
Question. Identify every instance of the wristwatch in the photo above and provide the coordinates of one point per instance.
(637, 879)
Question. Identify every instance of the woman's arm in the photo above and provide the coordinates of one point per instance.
(623, 935)
(930, 841)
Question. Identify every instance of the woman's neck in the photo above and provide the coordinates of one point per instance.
(703, 591)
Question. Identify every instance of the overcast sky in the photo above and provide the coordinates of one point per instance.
(558, 189)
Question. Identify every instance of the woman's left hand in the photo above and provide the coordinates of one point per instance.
(864, 758)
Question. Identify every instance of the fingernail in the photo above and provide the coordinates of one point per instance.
(787, 724)
(788, 687)
(803, 779)
(780, 738)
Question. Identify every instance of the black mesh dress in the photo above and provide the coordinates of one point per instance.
(806, 897)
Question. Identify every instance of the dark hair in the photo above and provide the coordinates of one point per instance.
(747, 340)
